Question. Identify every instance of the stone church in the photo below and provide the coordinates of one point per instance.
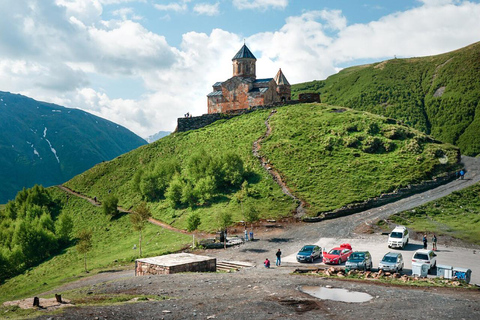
(244, 90)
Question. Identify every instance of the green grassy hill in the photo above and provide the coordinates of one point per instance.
(456, 215)
(438, 95)
(319, 150)
(43, 143)
(329, 156)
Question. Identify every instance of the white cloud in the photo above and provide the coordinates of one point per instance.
(207, 9)
(126, 14)
(173, 6)
(260, 4)
(57, 53)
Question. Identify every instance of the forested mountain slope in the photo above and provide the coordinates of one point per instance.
(42, 143)
(439, 95)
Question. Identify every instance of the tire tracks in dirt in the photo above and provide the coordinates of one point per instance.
(265, 163)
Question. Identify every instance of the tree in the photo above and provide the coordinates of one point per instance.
(251, 214)
(84, 244)
(110, 205)
(174, 191)
(64, 227)
(193, 221)
(224, 220)
(138, 218)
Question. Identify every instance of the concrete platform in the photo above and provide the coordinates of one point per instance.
(175, 263)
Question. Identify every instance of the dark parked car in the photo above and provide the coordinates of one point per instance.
(361, 260)
(309, 253)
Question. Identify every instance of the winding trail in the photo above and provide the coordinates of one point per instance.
(300, 210)
(151, 220)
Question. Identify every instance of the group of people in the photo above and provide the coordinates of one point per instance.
(266, 263)
(187, 115)
(434, 242)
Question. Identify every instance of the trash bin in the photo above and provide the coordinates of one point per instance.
(445, 271)
(462, 274)
(420, 269)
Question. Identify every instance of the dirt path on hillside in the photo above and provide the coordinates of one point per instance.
(151, 220)
(265, 163)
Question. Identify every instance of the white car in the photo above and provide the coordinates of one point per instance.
(425, 256)
(398, 238)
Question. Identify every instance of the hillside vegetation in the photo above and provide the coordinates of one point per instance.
(456, 215)
(439, 95)
(42, 247)
(319, 150)
(43, 143)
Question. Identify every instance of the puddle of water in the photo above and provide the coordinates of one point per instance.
(336, 294)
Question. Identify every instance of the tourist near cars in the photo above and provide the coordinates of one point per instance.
(338, 255)
(309, 253)
(392, 261)
(361, 260)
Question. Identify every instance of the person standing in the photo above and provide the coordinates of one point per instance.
(279, 260)
(425, 241)
(434, 242)
(462, 174)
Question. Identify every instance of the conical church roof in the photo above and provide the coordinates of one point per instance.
(280, 78)
(244, 52)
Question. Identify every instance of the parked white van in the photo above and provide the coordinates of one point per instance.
(398, 238)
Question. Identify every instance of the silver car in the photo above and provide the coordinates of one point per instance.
(392, 262)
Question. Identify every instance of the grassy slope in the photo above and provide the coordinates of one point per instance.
(404, 89)
(113, 242)
(236, 135)
(456, 215)
(297, 148)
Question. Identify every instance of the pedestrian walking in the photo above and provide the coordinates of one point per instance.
(434, 242)
(462, 174)
(279, 260)
(246, 235)
(425, 241)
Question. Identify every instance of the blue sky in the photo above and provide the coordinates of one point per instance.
(143, 63)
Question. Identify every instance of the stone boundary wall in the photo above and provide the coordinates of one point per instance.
(193, 123)
(383, 199)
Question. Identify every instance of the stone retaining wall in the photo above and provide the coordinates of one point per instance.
(193, 123)
(383, 199)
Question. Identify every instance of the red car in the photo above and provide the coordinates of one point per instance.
(338, 255)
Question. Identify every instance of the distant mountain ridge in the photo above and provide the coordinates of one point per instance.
(43, 143)
(156, 136)
(439, 95)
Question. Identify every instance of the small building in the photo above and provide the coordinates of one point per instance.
(244, 90)
(175, 263)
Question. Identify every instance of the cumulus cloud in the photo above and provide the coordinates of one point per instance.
(260, 4)
(173, 6)
(57, 51)
(207, 9)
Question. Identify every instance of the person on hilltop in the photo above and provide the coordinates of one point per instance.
(266, 263)
(279, 261)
